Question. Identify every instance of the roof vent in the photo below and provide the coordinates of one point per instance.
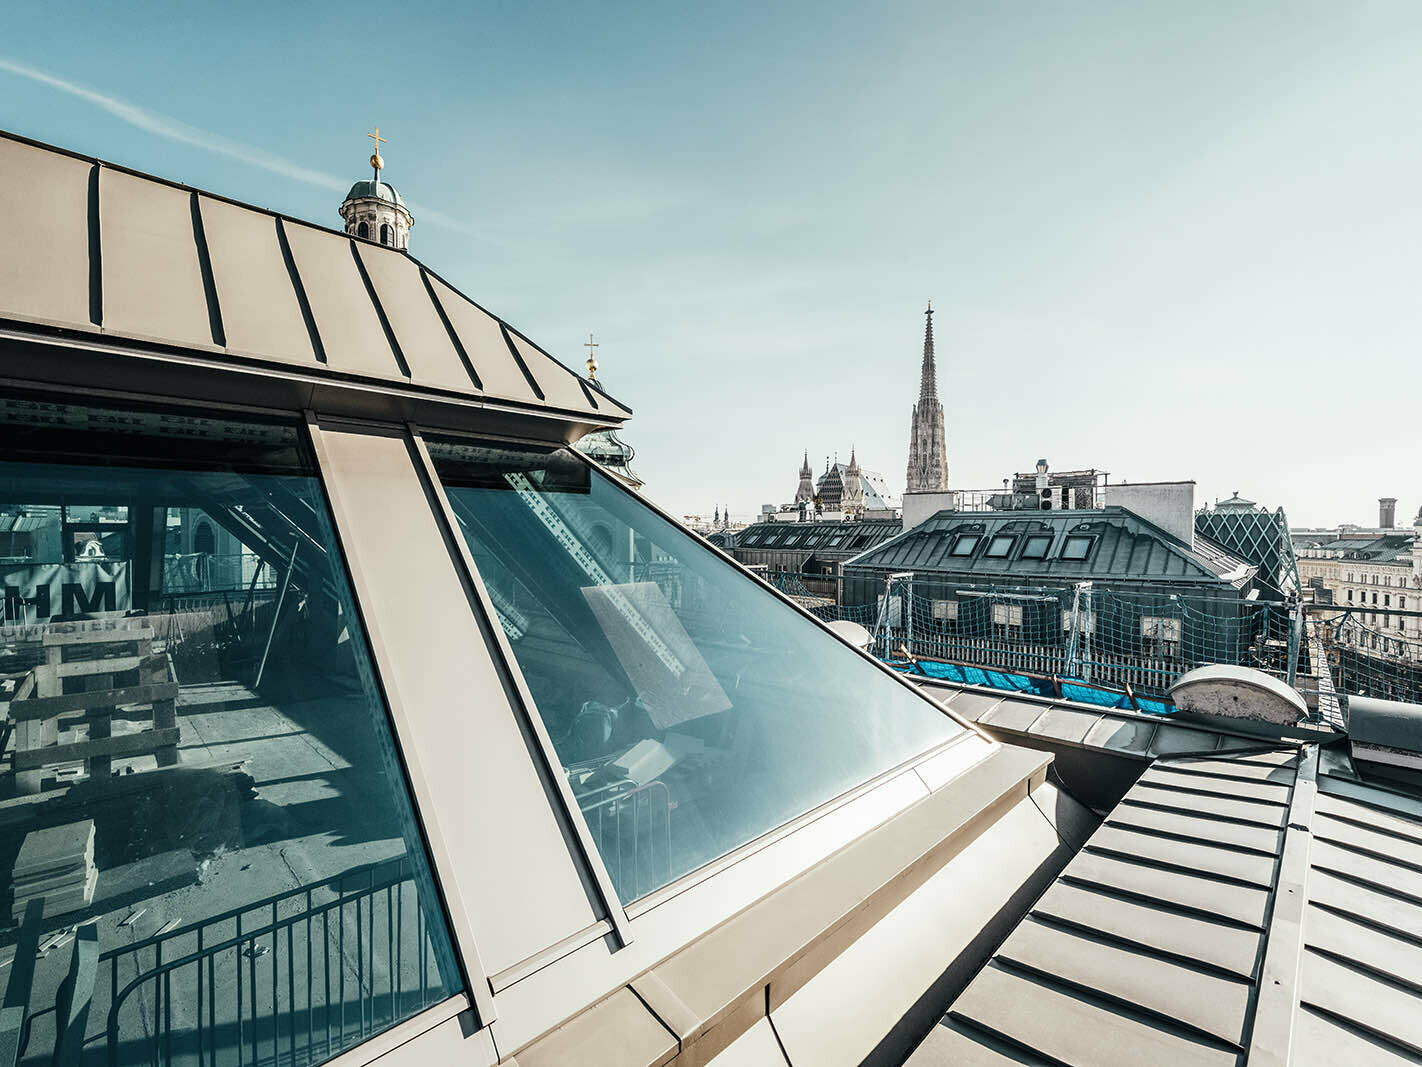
(1224, 692)
(1385, 731)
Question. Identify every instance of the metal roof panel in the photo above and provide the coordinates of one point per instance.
(260, 312)
(152, 279)
(45, 276)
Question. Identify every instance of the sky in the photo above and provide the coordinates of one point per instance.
(1167, 240)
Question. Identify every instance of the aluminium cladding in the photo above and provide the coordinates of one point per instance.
(1232, 909)
(120, 259)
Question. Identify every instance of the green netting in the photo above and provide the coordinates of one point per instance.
(1136, 643)
(1362, 660)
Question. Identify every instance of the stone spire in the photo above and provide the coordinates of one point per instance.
(806, 492)
(851, 500)
(928, 450)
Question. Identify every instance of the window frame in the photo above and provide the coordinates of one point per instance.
(1085, 556)
(470, 985)
(508, 662)
(1027, 540)
(958, 539)
(1007, 550)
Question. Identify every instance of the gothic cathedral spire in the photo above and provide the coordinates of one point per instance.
(806, 492)
(928, 451)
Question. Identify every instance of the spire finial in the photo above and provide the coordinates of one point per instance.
(590, 344)
(375, 158)
(929, 312)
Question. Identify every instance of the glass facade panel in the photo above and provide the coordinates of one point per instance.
(204, 827)
(692, 711)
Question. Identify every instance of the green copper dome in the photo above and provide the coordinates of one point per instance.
(372, 190)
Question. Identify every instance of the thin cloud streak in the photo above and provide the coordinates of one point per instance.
(172, 129)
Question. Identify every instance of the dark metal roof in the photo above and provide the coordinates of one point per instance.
(1123, 547)
(108, 255)
(808, 536)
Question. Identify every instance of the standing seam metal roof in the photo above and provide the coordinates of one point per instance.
(1231, 909)
(103, 251)
(1125, 548)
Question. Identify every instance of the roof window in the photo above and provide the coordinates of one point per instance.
(1037, 547)
(965, 545)
(673, 758)
(1000, 547)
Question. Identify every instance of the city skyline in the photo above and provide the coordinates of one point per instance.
(1123, 277)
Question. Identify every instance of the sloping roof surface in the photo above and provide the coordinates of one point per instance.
(1260, 908)
(807, 536)
(1124, 547)
(107, 253)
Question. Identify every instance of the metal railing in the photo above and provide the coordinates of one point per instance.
(292, 979)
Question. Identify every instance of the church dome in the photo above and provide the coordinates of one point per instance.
(372, 190)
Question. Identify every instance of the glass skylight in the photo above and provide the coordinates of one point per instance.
(200, 775)
(692, 711)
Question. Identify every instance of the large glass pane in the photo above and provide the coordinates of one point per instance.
(692, 710)
(207, 846)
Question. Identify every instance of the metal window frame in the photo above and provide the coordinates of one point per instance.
(532, 720)
(1006, 553)
(553, 954)
(443, 870)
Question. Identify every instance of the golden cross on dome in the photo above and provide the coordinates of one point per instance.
(590, 344)
(375, 160)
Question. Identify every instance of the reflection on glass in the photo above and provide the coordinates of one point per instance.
(208, 852)
(692, 710)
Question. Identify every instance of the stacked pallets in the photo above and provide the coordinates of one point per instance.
(94, 674)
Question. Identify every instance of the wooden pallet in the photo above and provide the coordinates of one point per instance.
(89, 674)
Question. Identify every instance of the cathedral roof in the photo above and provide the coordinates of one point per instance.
(373, 190)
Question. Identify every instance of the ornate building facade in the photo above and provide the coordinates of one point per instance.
(928, 451)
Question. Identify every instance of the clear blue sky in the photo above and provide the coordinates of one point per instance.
(1171, 240)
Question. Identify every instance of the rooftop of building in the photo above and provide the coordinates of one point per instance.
(1108, 543)
(111, 259)
(854, 534)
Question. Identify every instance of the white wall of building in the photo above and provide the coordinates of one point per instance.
(1170, 505)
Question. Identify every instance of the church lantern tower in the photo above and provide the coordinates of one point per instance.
(605, 446)
(373, 210)
(928, 451)
(806, 493)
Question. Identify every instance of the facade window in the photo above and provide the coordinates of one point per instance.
(964, 545)
(664, 677)
(213, 786)
(1076, 547)
(385, 233)
(1000, 547)
(363, 230)
(1007, 615)
(945, 610)
(1160, 635)
(1350, 596)
(1375, 597)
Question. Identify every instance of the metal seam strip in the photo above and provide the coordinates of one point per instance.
(533, 721)
(467, 949)
(1277, 1002)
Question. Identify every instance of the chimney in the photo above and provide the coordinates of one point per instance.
(1387, 512)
